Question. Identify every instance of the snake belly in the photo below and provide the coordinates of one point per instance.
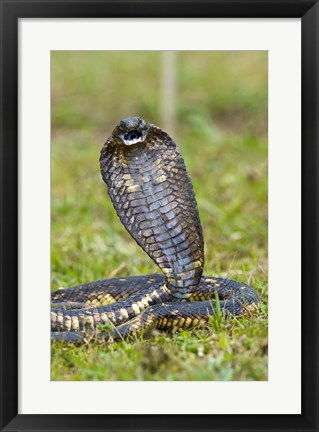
(153, 196)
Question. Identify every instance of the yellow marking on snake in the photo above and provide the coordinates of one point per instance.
(111, 316)
(252, 307)
(181, 321)
(75, 323)
(155, 294)
(195, 321)
(67, 323)
(160, 179)
(133, 188)
(135, 308)
(148, 299)
(59, 318)
(108, 299)
(188, 322)
(96, 317)
(169, 324)
(167, 271)
(88, 321)
(124, 313)
(104, 318)
(196, 264)
(145, 302)
(162, 322)
(141, 305)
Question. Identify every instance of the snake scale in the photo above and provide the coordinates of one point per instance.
(153, 196)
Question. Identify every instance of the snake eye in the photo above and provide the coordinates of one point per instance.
(132, 135)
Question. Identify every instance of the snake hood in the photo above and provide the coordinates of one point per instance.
(153, 196)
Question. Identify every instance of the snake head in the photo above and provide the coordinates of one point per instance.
(131, 130)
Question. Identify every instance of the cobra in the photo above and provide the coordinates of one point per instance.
(153, 196)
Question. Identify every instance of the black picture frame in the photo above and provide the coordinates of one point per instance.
(11, 11)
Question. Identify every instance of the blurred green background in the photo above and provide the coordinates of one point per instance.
(219, 121)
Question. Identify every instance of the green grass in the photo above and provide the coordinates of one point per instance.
(221, 130)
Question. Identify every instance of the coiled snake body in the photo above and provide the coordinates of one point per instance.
(153, 196)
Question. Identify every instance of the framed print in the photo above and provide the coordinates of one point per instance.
(226, 345)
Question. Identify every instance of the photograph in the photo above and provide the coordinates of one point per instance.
(159, 215)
